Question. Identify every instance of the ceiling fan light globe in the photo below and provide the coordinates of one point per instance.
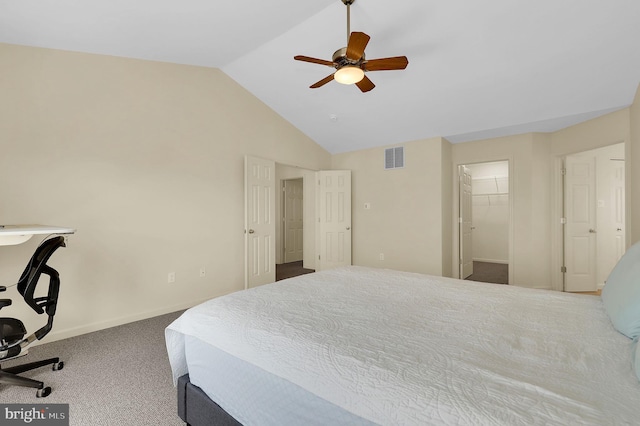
(349, 74)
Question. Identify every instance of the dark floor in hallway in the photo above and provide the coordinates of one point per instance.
(291, 269)
(497, 273)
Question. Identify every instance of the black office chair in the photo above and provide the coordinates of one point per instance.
(13, 342)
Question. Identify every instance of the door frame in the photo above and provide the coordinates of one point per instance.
(456, 209)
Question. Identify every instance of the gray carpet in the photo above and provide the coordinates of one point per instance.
(118, 376)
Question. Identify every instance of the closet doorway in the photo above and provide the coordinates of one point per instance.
(486, 237)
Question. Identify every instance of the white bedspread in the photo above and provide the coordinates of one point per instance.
(400, 348)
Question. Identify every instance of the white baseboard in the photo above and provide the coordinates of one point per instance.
(101, 325)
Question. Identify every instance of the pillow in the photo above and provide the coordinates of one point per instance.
(621, 293)
(635, 358)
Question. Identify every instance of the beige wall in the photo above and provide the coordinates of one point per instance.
(535, 225)
(405, 221)
(599, 132)
(145, 159)
(529, 229)
(447, 209)
(403, 199)
(602, 131)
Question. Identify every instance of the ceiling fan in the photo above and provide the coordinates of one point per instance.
(350, 62)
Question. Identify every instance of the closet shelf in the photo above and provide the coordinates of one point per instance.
(489, 194)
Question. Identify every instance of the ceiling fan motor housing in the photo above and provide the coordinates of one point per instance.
(340, 59)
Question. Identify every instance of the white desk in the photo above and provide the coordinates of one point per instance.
(18, 234)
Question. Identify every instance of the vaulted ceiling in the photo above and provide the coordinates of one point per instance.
(476, 69)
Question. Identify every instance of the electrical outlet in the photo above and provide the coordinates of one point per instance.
(381, 256)
(171, 277)
(203, 272)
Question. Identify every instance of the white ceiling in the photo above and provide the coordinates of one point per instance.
(476, 69)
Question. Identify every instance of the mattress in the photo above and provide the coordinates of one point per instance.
(400, 348)
(253, 396)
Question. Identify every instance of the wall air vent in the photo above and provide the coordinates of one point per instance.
(394, 158)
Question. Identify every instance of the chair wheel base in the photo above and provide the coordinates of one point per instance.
(58, 366)
(44, 392)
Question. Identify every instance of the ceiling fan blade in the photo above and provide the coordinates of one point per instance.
(357, 43)
(365, 84)
(322, 82)
(384, 64)
(313, 60)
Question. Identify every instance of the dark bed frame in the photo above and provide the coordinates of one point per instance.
(196, 409)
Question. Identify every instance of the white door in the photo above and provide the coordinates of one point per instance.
(334, 219)
(580, 228)
(293, 220)
(260, 226)
(465, 221)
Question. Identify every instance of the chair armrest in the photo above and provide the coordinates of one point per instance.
(4, 302)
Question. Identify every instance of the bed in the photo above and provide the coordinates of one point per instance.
(365, 346)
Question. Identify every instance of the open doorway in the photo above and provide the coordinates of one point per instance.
(593, 216)
(485, 217)
(292, 220)
(326, 210)
(295, 204)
